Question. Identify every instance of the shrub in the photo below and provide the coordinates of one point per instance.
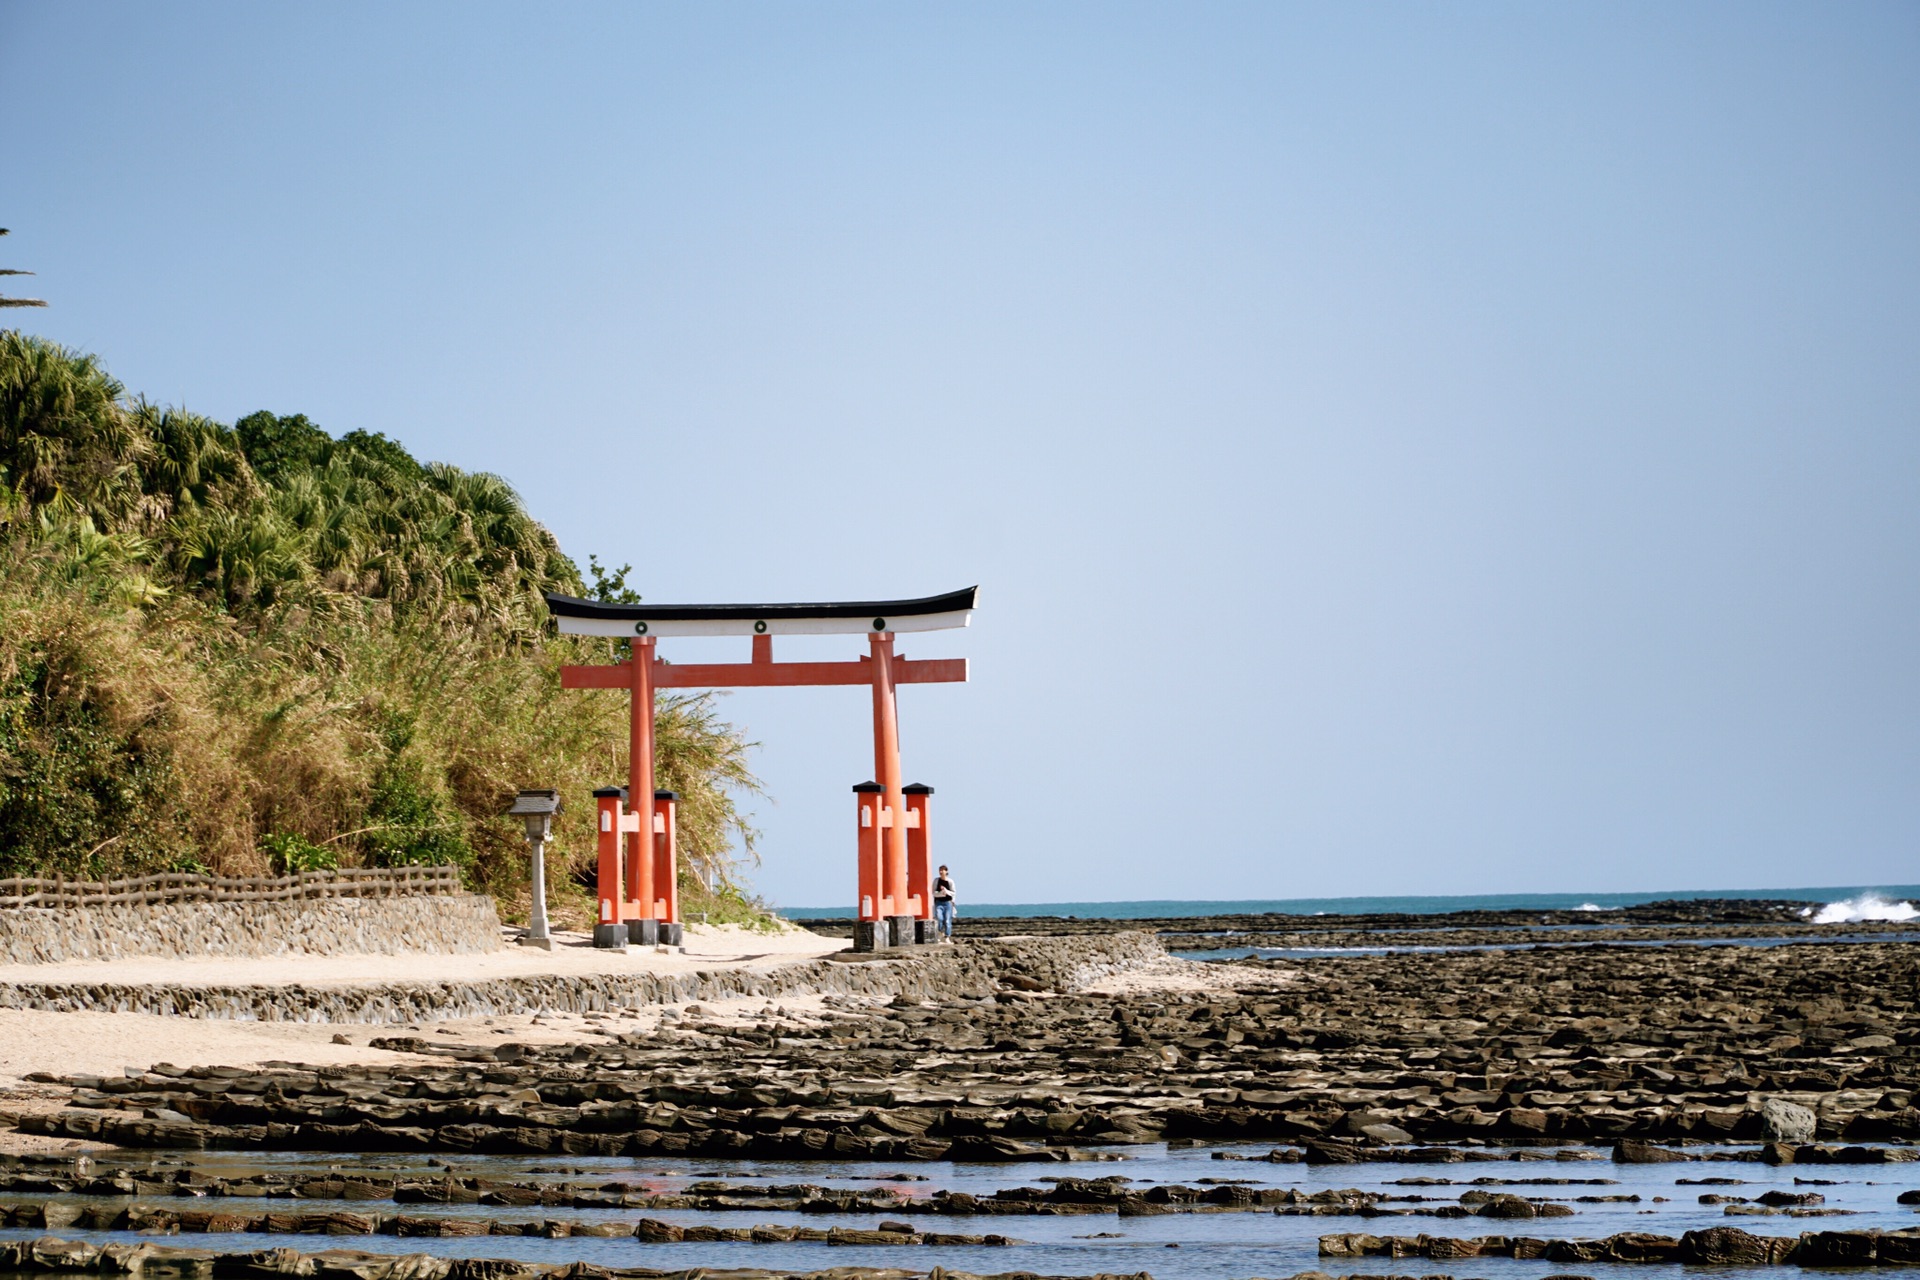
(289, 853)
(233, 648)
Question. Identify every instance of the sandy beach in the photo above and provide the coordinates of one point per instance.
(101, 1043)
(707, 947)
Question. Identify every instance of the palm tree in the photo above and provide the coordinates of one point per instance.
(17, 302)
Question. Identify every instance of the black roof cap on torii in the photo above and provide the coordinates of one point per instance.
(927, 613)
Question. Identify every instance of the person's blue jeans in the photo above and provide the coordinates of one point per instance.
(943, 916)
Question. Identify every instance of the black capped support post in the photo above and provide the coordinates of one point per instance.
(613, 935)
(869, 935)
(922, 932)
(666, 933)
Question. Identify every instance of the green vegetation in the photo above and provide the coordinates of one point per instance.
(263, 647)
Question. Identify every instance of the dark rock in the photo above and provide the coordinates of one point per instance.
(1783, 1121)
(1329, 1152)
(1836, 1249)
(1629, 1151)
(1725, 1247)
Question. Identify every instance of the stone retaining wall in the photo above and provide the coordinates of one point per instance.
(460, 924)
(966, 969)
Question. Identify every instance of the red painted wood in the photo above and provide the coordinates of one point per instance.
(743, 675)
(640, 672)
(610, 881)
(666, 861)
(886, 769)
(919, 858)
(867, 852)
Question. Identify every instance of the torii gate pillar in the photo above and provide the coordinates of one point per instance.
(895, 906)
(643, 885)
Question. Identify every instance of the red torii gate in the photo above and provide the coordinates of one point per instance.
(638, 885)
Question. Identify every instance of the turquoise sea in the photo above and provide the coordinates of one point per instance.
(1408, 905)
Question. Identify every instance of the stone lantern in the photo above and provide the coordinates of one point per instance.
(536, 809)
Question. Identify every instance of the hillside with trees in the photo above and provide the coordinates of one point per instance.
(263, 647)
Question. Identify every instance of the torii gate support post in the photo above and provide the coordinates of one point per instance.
(919, 861)
(610, 832)
(869, 923)
(665, 851)
(644, 925)
(893, 906)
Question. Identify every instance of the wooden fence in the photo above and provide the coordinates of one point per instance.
(359, 882)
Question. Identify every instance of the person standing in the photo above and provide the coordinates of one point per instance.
(943, 905)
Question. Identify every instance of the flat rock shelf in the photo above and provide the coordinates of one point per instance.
(1000, 1051)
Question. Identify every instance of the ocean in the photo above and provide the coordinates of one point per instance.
(1847, 902)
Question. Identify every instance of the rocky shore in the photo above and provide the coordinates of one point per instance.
(1714, 1247)
(1002, 1051)
(1549, 1097)
(48, 1255)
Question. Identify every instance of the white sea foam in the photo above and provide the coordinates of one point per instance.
(1589, 906)
(1868, 906)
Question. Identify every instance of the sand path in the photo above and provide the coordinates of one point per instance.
(92, 1043)
(707, 947)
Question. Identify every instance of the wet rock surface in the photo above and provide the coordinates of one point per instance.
(1055, 1197)
(53, 1255)
(1716, 1246)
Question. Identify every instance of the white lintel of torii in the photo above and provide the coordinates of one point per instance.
(886, 817)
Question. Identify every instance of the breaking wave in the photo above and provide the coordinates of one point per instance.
(1868, 906)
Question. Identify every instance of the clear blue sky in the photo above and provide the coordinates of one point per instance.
(1405, 448)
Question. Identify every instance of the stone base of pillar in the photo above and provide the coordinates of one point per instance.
(643, 933)
(610, 937)
(672, 934)
(870, 935)
(926, 932)
(544, 943)
(900, 929)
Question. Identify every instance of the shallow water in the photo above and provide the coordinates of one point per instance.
(1411, 905)
(1213, 1246)
(1307, 953)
